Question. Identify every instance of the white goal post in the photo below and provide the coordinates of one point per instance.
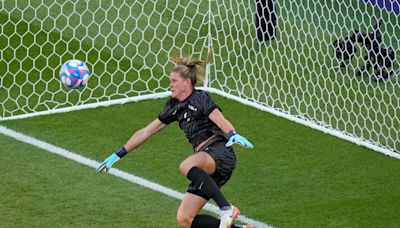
(304, 60)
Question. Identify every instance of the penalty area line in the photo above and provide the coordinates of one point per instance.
(116, 172)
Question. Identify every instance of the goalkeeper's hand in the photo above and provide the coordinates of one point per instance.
(108, 162)
(238, 139)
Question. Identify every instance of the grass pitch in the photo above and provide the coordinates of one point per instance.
(294, 177)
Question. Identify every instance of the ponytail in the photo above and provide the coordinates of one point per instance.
(189, 68)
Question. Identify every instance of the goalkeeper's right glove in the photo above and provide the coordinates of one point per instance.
(108, 162)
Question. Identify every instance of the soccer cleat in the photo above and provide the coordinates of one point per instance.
(228, 216)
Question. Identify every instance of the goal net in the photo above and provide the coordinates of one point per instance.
(298, 72)
(125, 43)
(310, 65)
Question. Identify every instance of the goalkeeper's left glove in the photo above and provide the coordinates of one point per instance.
(113, 158)
(236, 138)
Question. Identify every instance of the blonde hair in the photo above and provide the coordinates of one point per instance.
(189, 68)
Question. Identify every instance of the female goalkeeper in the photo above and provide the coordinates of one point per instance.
(213, 161)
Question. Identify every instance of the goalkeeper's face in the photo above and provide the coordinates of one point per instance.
(180, 88)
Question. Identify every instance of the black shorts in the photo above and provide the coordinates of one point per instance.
(225, 161)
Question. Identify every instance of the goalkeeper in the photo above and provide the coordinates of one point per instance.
(212, 136)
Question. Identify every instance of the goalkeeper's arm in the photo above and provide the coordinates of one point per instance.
(137, 139)
(140, 136)
(218, 118)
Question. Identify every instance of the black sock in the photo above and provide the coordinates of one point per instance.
(206, 184)
(201, 221)
(208, 221)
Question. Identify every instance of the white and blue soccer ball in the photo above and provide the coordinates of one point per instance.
(74, 74)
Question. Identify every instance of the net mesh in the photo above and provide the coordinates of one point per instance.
(311, 65)
(298, 71)
(126, 45)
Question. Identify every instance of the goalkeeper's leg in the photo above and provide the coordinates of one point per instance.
(188, 216)
(219, 162)
(190, 206)
(213, 159)
(201, 221)
(198, 168)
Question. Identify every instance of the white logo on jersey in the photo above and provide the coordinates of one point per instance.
(191, 107)
(185, 115)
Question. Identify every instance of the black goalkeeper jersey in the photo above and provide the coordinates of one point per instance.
(192, 115)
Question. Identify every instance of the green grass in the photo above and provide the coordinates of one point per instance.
(45, 190)
(294, 177)
(127, 45)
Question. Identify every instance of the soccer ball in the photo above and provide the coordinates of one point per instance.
(74, 74)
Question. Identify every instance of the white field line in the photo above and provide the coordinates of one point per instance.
(116, 172)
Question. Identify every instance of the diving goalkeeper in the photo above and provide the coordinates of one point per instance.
(212, 136)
